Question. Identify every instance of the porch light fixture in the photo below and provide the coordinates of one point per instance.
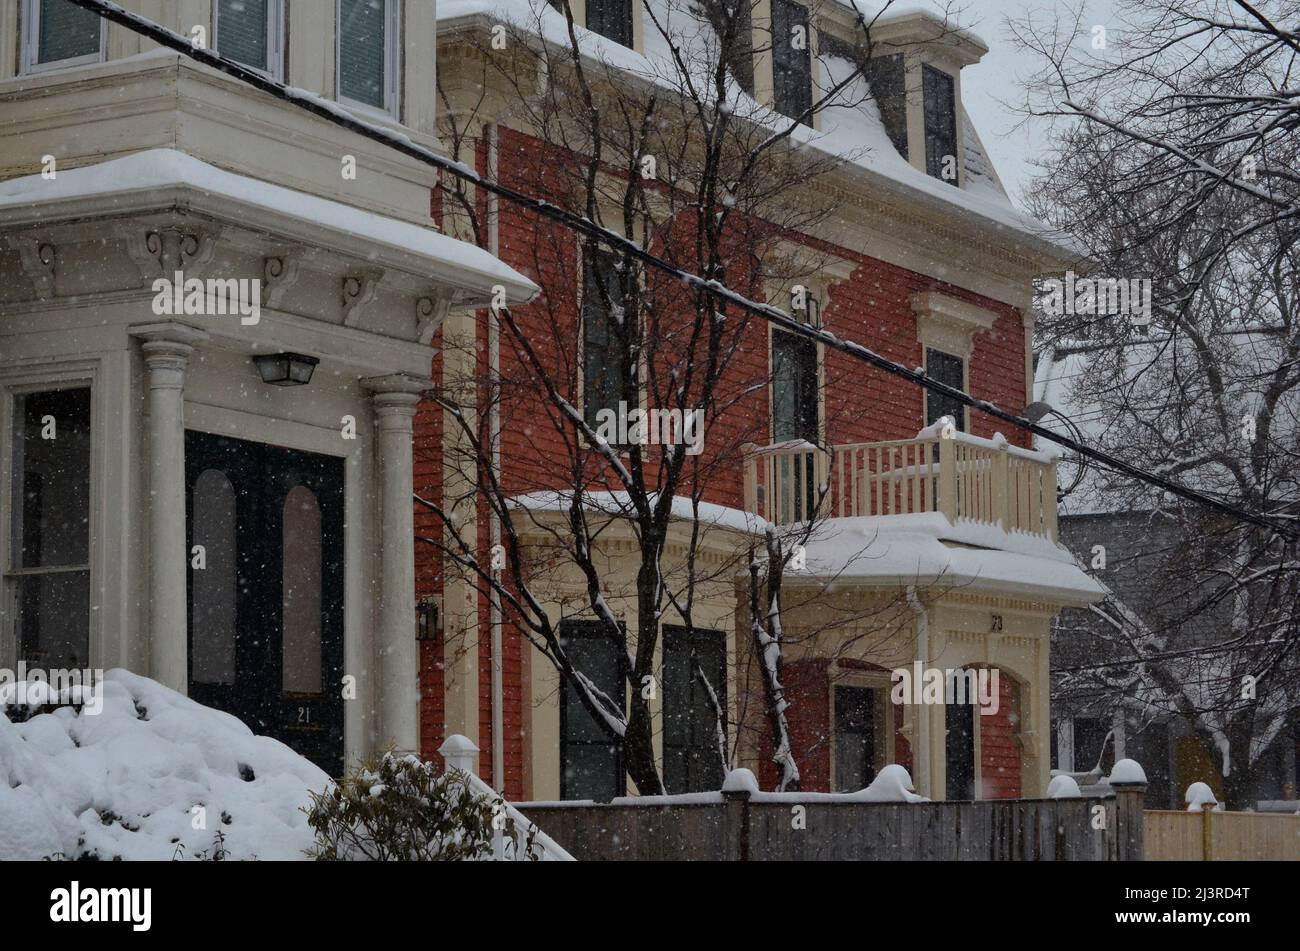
(285, 369)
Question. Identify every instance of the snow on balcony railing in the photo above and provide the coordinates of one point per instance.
(958, 475)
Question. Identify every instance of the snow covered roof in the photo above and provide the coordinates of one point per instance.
(619, 505)
(856, 135)
(926, 549)
(166, 177)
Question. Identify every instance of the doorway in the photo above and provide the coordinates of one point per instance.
(264, 532)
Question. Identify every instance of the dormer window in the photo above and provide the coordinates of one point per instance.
(940, 103)
(366, 53)
(248, 31)
(889, 90)
(612, 19)
(58, 33)
(791, 59)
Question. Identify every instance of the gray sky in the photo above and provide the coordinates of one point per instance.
(996, 79)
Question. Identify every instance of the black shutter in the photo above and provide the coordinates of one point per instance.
(690, 739)
(602, 338)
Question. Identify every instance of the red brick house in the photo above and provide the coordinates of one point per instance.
(939, 545)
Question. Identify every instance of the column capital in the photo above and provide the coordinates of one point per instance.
(169, 331)
(397, 384)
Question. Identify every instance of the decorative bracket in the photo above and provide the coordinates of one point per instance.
(279, 274)
(431, 310)
(164, 251)
(37, 258)
(358, 291)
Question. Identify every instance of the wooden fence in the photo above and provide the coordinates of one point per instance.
(768, 827)
(1220, 836)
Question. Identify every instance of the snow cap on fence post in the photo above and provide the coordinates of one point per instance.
(460, 752)
(1129, 781)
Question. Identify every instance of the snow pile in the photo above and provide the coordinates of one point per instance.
(1200, 795)
(893, 784)
(740, 780)
(1063, 787)
(1126, 771)
(153, 775)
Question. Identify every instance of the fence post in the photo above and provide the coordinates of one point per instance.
(1001, 475)
(1129, 800)
(1207, 833)
(460, 752)
(735, 809)
(947, 478)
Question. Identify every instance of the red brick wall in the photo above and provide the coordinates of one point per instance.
(999, 749)
(807, 688)
(873, 307)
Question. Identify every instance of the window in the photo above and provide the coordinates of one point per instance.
(889, 91)
(695, 693)
(951, 371)
(612, 19)
(214, 615)
(959, 743)
(248, 31)
(366, 52)
(795, 391)
(603, 338)
(591, 763)
(791, 60)
(58, 33)
(855, 738)
(1090, 734)
(50, 527)
(732, 22)
(940, 124)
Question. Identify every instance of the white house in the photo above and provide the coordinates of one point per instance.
(211, 483)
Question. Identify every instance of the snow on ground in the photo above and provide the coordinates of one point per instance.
(123, 782)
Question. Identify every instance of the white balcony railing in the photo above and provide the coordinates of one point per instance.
(986, 481)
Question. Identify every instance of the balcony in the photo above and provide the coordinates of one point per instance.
(962, 477)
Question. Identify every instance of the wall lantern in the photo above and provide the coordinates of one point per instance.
(285, 369)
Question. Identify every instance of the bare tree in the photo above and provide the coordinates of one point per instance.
(673, 154)
(1173, 160)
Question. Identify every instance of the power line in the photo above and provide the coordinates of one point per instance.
(584, 226)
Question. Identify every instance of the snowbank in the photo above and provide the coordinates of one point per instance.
(124, 783)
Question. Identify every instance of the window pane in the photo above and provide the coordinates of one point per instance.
(242, 31)
(794, 393)
(959, 748)
(51, 506)
(602, 345)
(611, 19)
(949, 370)
(301, 594)
(590, 766)
(791, 59)
(940, 124)
(54, 619)
(66, 31)
(212, 617)
(855, 741)
(362, 49)
(691, 762)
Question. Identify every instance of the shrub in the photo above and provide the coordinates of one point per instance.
(398, 808)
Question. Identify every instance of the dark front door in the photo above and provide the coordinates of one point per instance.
(265, 537)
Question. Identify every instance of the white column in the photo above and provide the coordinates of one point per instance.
(395, 399)
(167, 348)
